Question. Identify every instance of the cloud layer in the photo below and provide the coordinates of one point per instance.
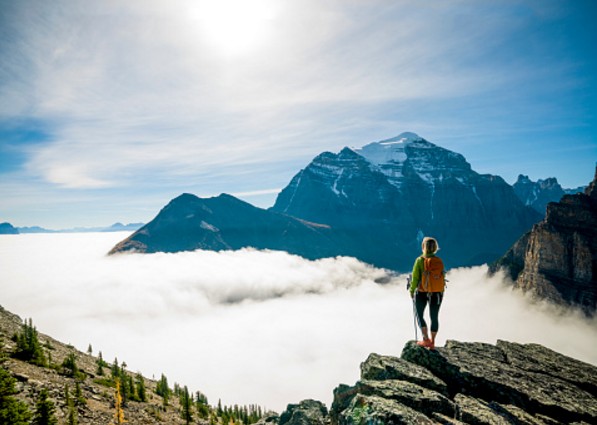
(251, 326)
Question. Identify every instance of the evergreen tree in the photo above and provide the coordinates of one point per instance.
(67, 397)
(79, 399)
(28, 346)
(141, 394)
(163, 390)
(90, 350)
(12, 411)
(72, 415)
(69, 366)
(202, 405)
(44, 410)
(115, 370)
(100, 364)
(186, 402)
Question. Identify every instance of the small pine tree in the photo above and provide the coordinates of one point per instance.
(79, 399)
(163, 390)
(72, 415)
(69, 366)
(44, 410)
(115, 369)
(28, 346)
(100, 364)
(186, 402)
(90, 350)
(141, 394)
(12, 411)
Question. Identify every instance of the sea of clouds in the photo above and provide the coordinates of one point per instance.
(251, 326)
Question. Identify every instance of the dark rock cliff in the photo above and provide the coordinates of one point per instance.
(557, 259)
(471, 383)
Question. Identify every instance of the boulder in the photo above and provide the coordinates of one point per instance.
(307, 412)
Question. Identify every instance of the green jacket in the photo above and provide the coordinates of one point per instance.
(418, 269)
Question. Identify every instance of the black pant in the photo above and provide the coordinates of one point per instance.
(435, 301)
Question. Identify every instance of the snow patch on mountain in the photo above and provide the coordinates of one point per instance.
(388, 151)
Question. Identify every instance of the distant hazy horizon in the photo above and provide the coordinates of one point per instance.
(251, 326)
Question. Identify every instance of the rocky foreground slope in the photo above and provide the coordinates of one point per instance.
(471, 383)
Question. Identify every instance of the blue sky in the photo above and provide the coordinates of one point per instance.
(108, 109)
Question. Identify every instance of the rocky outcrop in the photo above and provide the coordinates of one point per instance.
(557, 259)
(472, 383)
(461, 383)
(307, 412)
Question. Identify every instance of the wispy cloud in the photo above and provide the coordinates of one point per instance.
(237, 325)
(135, 92)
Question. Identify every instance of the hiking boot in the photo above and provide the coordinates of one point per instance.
(425, 343)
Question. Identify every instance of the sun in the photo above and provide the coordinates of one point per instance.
(234, 27)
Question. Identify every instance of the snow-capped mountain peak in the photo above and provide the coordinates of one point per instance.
(390, 150)
(409, 151)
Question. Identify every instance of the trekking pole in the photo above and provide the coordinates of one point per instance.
(414, 307)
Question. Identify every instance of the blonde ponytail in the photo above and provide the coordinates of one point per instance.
(429, 246)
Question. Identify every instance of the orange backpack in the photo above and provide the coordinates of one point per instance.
(432, 279)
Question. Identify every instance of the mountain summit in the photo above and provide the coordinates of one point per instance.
(387, 195)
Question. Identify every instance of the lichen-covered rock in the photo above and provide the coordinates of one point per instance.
(307, 412)
(537, 358)
(484, 371)
(412, 395)
(270, 418)
(477, 412)
(374, 410)
(380, 368)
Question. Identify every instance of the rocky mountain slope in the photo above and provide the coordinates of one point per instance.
(225, 222)
(96, 403)
(99, 405)
(557, 260)
(389, 194)
(461, 383)
(374, 203)
(540, 193)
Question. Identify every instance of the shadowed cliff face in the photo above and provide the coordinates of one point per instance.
(557, 260)
(405, 188)
(475, 383)
(227, 223)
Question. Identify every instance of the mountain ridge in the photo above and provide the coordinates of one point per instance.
(557, 259)
(375, 205)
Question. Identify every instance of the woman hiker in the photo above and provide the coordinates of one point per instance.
(427, 287)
